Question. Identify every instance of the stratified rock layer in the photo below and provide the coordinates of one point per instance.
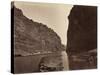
(34, 42)
(33, 37)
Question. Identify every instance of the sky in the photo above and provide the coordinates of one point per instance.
(55, 16)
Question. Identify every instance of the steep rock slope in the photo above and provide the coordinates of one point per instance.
(33, 37)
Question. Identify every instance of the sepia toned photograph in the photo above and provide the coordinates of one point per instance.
(49, 37)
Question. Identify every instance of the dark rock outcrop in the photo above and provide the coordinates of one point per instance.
(82, 36)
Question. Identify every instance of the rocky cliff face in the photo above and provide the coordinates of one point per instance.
(82, 36)
(82, 31)
(33, 37)
(34, 45)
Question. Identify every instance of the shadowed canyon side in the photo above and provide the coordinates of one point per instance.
(34, 43)
(82, 37)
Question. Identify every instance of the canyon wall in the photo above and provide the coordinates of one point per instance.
(82, 37)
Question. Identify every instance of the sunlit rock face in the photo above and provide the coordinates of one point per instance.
(35, 42)
(82, 35)
(33, 37)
